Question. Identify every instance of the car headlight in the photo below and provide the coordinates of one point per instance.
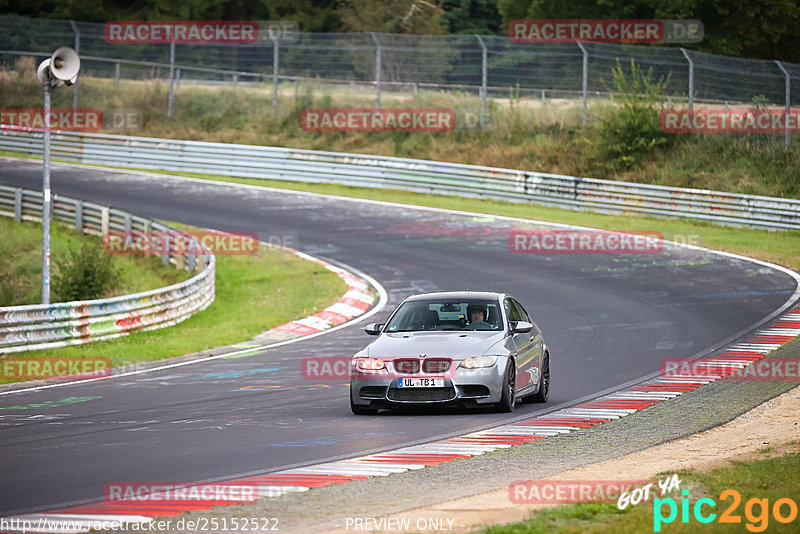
(477, 362)
(370, 364)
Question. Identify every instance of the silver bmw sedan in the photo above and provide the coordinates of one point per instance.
(461, 348)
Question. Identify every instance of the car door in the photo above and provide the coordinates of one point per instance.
(523, 345)
(536, 342)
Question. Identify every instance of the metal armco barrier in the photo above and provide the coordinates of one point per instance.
(413, 175)
(41, 326)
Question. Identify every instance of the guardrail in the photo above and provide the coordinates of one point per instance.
(42, 326)
(413, 175)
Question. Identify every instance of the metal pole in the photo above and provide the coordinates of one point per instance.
(788, 102)
(116, 73)
(171, 76)
(77, 51)
(585, 78)
(691, 80)
(377, 68)
(483, 76)
(46, 199)
(275, 65)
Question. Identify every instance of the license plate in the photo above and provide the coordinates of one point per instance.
(420, 383)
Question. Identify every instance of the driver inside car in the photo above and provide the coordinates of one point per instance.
(476, 313)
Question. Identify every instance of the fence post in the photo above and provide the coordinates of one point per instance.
(377, 68)
(165, 244)
(788, 102)
(691, 80)
(18, 205)
(79, 216)
(77, 51)
(171, 76)
(104, 220)
(275, 65)
(116, 73)
(585, 77)
(126, 230)
(484, 72)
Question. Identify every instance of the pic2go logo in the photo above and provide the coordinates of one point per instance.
(758, 520)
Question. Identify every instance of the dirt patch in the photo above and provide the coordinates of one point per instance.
(773, 425)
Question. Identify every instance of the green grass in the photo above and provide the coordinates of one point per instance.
(772, 479)
(21, 263)
(253, 293)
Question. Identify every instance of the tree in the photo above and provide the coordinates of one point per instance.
(472, 16)
(755, 28)
(391, 16)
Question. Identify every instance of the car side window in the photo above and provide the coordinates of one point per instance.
(512, 312)
(524, 314)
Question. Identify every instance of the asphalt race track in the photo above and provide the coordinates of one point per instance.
(608, 319)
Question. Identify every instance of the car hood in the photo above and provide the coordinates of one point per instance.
(457, 345)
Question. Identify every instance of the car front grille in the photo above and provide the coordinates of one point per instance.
(411, 366)
(407, 366)
(436, 365)
(422, 394)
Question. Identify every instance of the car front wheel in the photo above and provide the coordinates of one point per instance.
(508, 397)
(358, 409)
(544, 381)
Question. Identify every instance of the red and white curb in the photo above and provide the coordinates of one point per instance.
(360, 297)
(597, 411)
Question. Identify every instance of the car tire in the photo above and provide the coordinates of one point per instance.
(358, 409)
(508, 397)
(544, 381)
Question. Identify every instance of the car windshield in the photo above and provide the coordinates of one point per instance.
(460, 314)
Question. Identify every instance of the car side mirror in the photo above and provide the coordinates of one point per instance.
(521, 327)
(373, 329)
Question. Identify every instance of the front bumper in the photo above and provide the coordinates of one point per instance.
(465, 386)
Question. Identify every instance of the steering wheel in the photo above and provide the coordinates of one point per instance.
(480, 325)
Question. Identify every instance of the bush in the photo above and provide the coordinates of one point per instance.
(632, 129)
(86, 274)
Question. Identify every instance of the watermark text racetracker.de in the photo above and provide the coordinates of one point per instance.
(189, 492)
(375, 368)
(606, 31)
(570, 491)
(54, 367)
(731, 368)
(569, 241)
(72, 120)
(231, 32)
(732, 120)
(156, 243)
(422, 120)
(378, 120)
(201, 524)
